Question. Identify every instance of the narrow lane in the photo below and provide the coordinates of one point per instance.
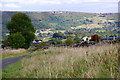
(9, 61)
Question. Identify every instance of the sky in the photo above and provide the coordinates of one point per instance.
(91, 6)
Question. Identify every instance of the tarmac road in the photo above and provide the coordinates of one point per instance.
(6, 62)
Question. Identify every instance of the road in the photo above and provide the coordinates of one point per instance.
(6, 62)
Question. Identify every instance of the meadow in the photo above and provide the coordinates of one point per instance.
(99, 61)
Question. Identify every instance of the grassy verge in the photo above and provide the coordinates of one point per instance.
(87, 62)
(13, 53)
(12, 70)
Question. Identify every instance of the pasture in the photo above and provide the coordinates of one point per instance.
(65, 62)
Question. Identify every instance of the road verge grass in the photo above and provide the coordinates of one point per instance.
(12, 71)
(13, 53)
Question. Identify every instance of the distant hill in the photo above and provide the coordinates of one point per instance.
(42, 20)
(63, 21)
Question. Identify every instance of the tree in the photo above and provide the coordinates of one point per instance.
(59, 35)
(69, 42)
(41, 45)
(77, 40)
(21, 23)
(95, 37)
(29, 37)
(5, 43)
(16, 40)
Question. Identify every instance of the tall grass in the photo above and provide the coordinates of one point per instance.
(12, 53)
(84, 62)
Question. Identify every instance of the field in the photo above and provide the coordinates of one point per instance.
(59, 62)
(47, 23)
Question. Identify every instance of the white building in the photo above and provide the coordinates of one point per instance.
(85, 39)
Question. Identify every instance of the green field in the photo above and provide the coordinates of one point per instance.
(58, 62)
(48, 23)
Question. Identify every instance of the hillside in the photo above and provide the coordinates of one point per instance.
(63, 21)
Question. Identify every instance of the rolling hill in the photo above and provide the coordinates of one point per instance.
(63, 21)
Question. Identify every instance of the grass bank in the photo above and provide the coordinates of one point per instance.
(13, 53)
(87, 62)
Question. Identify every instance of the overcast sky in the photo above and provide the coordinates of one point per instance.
(94, 6)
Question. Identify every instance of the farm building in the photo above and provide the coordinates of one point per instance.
(36, 42)
(85, 39)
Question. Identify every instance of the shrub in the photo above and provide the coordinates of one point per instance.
(5, 43)
(59, 35)
(41, 45)
(69, 42)
(16, 40)
(77, 40)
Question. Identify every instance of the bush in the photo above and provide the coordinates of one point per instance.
(77, 40)
(59, 35)
(5, 43)
(16, 40)
(41, 45)
(69, 42)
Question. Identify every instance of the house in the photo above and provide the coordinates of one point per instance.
(36, 42)
(85, 39)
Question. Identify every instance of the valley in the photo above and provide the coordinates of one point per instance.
(82, 24)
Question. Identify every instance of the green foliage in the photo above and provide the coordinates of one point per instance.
(5, 43)
(41, 45)
(69, 42)
(77, 40)
(16, 40)
(20, 22)
(59, 35)
(58, 42)
(29, 37)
